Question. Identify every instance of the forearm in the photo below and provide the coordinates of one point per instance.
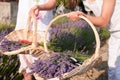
(47, 6)
(105, 15)
(97, 21)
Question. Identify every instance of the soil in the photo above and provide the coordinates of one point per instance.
(98, 72)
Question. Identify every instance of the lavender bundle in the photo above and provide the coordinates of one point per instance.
(7, 45)
(54, 66)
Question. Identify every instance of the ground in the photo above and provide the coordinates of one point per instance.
(99, 72)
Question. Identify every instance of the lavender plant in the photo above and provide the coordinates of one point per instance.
(74, 36)
(8, 64)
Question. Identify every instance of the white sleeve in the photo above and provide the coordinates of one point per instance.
(92, 6)
(86, 5)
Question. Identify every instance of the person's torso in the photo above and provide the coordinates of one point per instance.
(96, 7)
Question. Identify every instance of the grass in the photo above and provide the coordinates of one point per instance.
(5, 26)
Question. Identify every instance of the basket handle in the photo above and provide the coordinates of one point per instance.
(34, 36)
(27, 27)
(34, 43)
(84, 18)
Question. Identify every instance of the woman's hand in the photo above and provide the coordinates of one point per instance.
(34, 10)
(91, 0)
(75, 15)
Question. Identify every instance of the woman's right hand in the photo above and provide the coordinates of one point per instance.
(74, 16)
(34, 10)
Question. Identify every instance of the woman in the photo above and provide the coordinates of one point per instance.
(43, 11)
(106, 15)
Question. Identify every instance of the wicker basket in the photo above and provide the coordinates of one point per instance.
(26, 35)
(87, 64)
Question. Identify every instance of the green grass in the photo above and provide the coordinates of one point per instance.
(77, 55)
(4, 26)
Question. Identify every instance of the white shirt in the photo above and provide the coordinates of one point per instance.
(23, 9)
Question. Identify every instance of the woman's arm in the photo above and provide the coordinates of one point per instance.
(106, 13)
(47, 6)
(103, 19)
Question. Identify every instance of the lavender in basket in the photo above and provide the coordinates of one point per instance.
(52, 67)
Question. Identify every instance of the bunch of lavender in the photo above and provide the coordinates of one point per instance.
(54, 66)
(7, 45)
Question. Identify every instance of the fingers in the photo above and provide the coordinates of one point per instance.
(74, 16)
(34, 11)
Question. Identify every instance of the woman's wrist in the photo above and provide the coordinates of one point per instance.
(39, 7)
(85, 15)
